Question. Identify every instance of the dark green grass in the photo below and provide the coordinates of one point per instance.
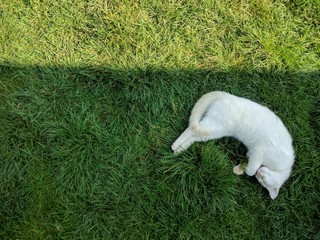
(94, 93)
(90, 157)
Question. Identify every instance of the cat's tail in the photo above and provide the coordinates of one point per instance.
(199, 109)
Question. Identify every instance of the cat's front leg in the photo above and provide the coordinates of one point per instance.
(239, 169)
(250, 170)
(254, 163)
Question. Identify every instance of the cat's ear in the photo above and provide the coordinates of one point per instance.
(273, 193)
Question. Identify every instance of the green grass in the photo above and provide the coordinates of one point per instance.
(93, 93)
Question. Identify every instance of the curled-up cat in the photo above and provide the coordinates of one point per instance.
(270, 152)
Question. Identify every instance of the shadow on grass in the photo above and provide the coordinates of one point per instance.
(176, 89)
(87, 153)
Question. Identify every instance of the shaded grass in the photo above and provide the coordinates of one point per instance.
(88, 158)
(94, 93)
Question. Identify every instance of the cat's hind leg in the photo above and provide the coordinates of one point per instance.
(184, 141)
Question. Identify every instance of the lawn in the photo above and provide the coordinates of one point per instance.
(93, 93)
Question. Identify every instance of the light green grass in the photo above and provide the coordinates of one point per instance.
(93, 93)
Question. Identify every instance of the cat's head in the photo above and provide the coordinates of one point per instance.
(270, 180)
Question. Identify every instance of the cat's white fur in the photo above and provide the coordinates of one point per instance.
(270, 152)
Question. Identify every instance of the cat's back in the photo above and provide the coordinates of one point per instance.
(255, 125)
(230, 106)
(261, 126)
(250, 118)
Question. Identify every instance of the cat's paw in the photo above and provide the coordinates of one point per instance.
(261, 172)
(258, 174)
(176, 149)
(239, 170)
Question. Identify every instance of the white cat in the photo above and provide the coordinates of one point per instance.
(270, 152)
